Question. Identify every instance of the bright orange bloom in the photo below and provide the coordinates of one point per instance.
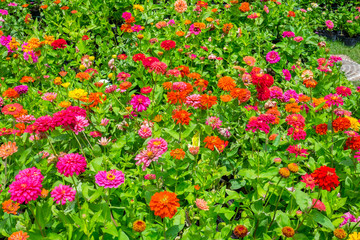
(10, 207)
(164, 204)
(125, 85)
(227, 27)
(181, 117)
(27, 79)
(27, 18)
(304, 98)
(244, 7)
(125, 27)
(176, 97)
(242, 94)
(180, 33)
(310, 83)
(167, 85)
(194, 76)
(178, 153)
(273, 112)
(64, 8)
(139, 226)
(225, 98)
(226, 83)
(57, 1)
(44, 193)
(187, 22)
(44, 6)
(341, 124)
(197, 187)
(94, 99)
(11, 93)
(21, 127)
(292, 108)
(184, 70)
(65, 104)
(82, 76)
(8, 149)
(273, 137)
(318, 101)
(249, 60)
(20, 235)
(202, 84)
(291, 14)
(208, 101)
(25, 5)
(214, 141)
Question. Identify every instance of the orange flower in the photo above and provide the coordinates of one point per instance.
(201, 83)
(27, 79)
(8, 149)
(321, 129)
(27, 18)
(197, 187)
(214, 141)
(310, 83)
(167, 85)
(177, 154)
(11, 93)
(25, 5)
(242, 94)
(180, 33)
(125, 27)
(292, 108)
(199, 25)
(65, 104)
(227, 27)
(244, 7)
(187, 22)
(44, 193)
(57, 81)
(341, 124)
(307, 75)
(21, 127)
(82, 76)
(184, 70)
(291, 14)
(208, 101)
(273, 137)
(225, 98)
(44, 6)
(304, 98)
(249, 60)
(226, 83)
(181, 117)
(214, 10)
(176, 97)
(94, 99)
(20, 235)
(62, 73)
(10, 207)
(194, 76)
(273, 112)
(164, 204)
(125, 85)
(318, 101)
(158, 118)
(57, 1)
(73, 11)
(139, 226)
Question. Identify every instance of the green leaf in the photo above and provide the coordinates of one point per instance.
(321, 219)
(302, 199)
(123, 236)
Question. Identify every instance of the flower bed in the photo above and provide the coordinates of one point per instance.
(174, 120)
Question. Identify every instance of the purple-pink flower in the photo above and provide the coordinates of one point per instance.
(329, 24)
(287, 75)
(273, 57)
(140, 103)
(110, 179)
(334, 99)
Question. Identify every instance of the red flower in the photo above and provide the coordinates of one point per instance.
(59, 43)
(291, 14)
(85, 37)
(138, 57)
(263, 94)
(352, 143)
(147, 62)
(168, 44)
(325, 178)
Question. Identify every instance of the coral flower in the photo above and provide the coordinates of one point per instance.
(341, 124)
(250, 61)
(202, 204)
(326, 178)
(244, 7)
(8, 149)
(110, 179)
(308, 180)
(164, 204)
(12, 109)
(62, 194)
(318, 205)
(178, 153)
(226, 83)
(20, 235)
(181, 117)
(71, 163)
(10, 207)
(180, 6)
(140, 103)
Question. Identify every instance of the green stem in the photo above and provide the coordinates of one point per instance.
(277, 204)
(77, 195)
(33, 213)
(318, 197)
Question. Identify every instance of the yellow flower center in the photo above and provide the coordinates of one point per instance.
(12, 109)
(110, 176)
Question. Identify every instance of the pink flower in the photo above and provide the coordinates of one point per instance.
(255, 125)
(298, 39)
(103, 141)
(329, 24)
(308, 180)
(194, 30)
(104, 122)
(295, 120)
(357, 156)
(150, 176)
(297, 133)
(62, 194)
(71, 163)
(343, 91)
(110, 179)
(318, 205)
(95, 134)
(266, 9)
(273, 57)
(348, 217)
(146, 90)
(334, 99)
(25, 119)
(32, 173)
(147, 156)
(297, 150)
(42, 124)
(202, 204)
(288, 34)
(214, 122)
(140, 103)
(145, 132)
(158, 144)
(123, 76)
(81, 123)
(158, 67)
(286, 74)
(126, 15)
(193, 149)
(25, 190)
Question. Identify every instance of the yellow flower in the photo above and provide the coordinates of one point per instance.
(65, 85)
(110, 75)
(82, 67)
(138, 7)
(355, 125)
(91, 58)
(354, 236)
(209, 19)
(65, 104)
(57, 81)
(77, 93)
(49, 39)
(158, 118)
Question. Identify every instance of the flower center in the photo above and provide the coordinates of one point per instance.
(12, 109)
(157, 143)
(150, 154)
(110, 176)
(140, 100)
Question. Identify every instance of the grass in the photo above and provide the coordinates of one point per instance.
(339, 48)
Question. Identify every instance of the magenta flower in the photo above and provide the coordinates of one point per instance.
(33, 173)
(343, 91)
(297, 150)
(357, 156)
(288, 34)
(110, 179)
(145, 132)
(71, 163)
(329, 24)
(25, 190)
(126, 15)
(287, 75)
(194, 30)
(62, 194)
(255, 125)
(297, 133)
(273, 57)
(140, 103)
(348, 217)
(334, 99)
(150, 176)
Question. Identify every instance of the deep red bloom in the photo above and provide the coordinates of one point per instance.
(168, 44)
(147, 62)
(85, 37)
(263, 94)
(325, 178)
(59, 43)
(138, 57)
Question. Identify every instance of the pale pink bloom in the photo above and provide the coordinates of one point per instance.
(111, 179)
(25, 119)
(147, 156)
(81, 123)
(202, 204)
(103, 141)
(104, 122)
(49, 96)
(193, 100)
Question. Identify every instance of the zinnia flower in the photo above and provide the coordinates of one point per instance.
(12, 109)
(147, 156)
(8, 149)
(71, 163)
(318, 205)
(181, 117)
(158, 144)
(326, 178)
(10, 207)
(140, 103)
(63, 194)
(164, 204)
(308, 180)
(20, 235)
(273, 57)
(202, 204)
(110, 179)
(25, 190)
